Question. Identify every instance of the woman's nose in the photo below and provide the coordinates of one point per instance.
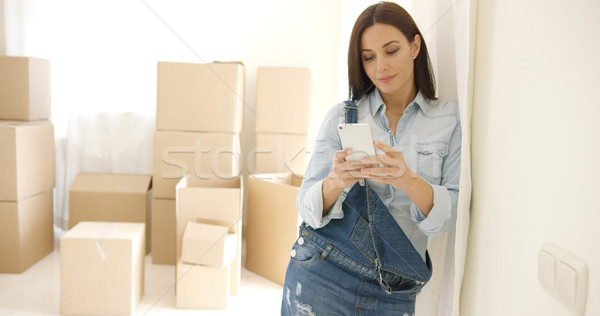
(382, 65)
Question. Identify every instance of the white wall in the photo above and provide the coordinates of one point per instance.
(2, 29)
(104, 53)
(535, 152)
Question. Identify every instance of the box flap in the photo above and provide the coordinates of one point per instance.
(102, 182)
(105, 230)
(18, 124)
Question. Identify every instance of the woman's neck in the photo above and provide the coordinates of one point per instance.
(398, 101)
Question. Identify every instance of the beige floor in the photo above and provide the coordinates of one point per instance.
(37, 292)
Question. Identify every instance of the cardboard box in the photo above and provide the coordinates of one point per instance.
(202, 287)
(163, 231)
(205, 202)
(102, 268)
(207, 156)
(200, 97)
(26, 232)
(279, 153)
(24, 88)
(272, 224)
(27, 164)
(209, 245)
(105, 197)
(282, 100)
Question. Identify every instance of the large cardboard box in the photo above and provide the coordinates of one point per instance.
(207, 156)
(26, 232)
(272, 224)
(199, 201)
(282, 100)
(202, 287)
(209, 245)
(163, 231)
(279, 153)
(24, 88)
(105, 197)
(27, 164)
(102, 268)
(200, 97)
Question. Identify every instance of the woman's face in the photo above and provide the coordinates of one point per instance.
(388, 58)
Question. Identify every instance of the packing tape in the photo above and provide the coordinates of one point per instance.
(102, 235)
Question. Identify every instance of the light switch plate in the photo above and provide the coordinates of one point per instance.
(564, 276)
(567, 278)
(546, 269)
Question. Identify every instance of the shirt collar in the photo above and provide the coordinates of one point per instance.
(376, 102)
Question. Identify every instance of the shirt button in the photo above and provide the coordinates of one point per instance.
(417, 282)
(293, 253)
(389, 195)
(443, 152)
(300, 241)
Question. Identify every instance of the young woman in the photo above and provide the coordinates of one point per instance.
(362, 245)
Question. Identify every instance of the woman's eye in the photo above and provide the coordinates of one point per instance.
(392, 52)
(367, 58)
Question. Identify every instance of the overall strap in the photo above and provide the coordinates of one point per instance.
(351, 112)
(371, 213)
(351, 116)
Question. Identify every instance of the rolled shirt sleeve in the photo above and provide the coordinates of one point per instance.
(310, 195)
(445, 196)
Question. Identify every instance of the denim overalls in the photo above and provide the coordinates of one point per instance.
(362, 264)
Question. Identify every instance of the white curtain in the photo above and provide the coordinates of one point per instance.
(448, 26)
(119, 143)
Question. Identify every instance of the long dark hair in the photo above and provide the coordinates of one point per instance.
(392, 14)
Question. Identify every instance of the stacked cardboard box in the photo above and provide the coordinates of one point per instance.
(102, 268)
(272, 223)
(198, 120)
(110, 198)
(282, 111)
(216, 211)
(280, 157)
(204, 271)
(27, 168)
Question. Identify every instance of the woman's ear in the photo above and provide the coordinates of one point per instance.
(415, 46)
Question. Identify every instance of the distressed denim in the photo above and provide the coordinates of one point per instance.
(361, 264)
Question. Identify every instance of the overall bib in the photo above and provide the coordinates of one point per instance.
(361, 264)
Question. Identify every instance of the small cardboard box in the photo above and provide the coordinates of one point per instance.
(209, 245)
(27, 164)
(200, 97)
(24, 88)
(282, 100)
(279, 153)
(206, 156)
(102, 268)
(26, 232)
(272, 224)
(202, 287)
(163, 231)
(105, 197)
(200, 201)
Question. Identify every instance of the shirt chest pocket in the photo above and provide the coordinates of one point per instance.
(430, 157)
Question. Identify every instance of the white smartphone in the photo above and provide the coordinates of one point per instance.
(358, 137)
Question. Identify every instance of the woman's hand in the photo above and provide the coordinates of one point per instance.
(389, 168)
(345, 173)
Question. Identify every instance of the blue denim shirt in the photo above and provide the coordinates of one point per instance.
(428, 134)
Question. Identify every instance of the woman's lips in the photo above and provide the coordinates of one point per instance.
(386, 79)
